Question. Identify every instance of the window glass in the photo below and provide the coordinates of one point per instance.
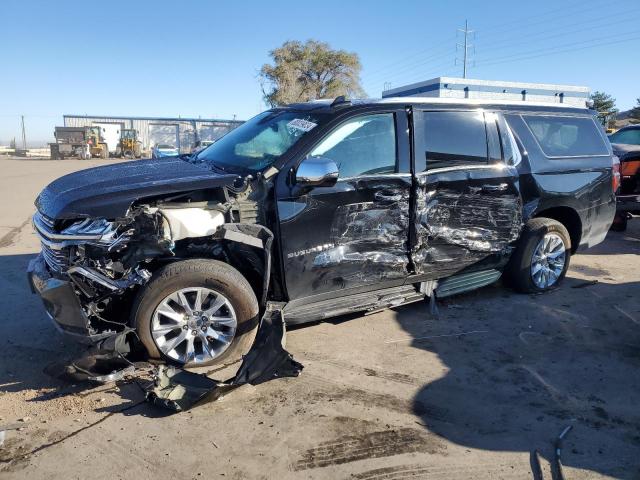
(454, 139)
(630, 137)
(566, 136)
(361, 146)
(493, 140)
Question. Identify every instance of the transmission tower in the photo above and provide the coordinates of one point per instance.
(465, 46)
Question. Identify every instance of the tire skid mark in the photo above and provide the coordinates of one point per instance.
(338, 392)
(370, 372)
(352, 448)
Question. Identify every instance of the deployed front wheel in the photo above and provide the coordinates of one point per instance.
(541, 259)
(197, 313)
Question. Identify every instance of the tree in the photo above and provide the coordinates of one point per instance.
(603, 102)
(306, 71)
(635, 111)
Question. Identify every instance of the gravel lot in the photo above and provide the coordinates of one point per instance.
(393, 395)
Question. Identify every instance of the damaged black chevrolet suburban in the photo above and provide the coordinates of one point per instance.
(317, 210)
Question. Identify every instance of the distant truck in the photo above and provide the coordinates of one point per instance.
(80, 142)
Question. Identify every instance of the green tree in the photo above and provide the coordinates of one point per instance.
(306, 71)
(635, 111)
(603, 102)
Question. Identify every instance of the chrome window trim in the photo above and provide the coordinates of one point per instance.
(493, 166)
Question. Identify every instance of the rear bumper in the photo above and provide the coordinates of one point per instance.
(61, 303)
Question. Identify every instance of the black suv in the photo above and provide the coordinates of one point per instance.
(320, 209)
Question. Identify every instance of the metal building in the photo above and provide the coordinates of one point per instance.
(178, 132)
(452, 87)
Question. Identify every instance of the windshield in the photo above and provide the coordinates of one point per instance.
(630, 136)
(257, 143)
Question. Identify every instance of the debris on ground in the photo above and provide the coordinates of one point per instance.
(558, 447)
(179, 390)
(586, 283)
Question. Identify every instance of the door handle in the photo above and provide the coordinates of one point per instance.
(500, 187)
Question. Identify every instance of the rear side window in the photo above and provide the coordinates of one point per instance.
(566, 136)
(630, 136)
(454, 139)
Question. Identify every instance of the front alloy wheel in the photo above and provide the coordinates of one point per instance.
(547, 263)
(196, 313)
(194, 325)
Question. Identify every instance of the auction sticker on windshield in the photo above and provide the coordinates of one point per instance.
(300, 124)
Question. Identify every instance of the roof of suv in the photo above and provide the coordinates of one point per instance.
(330, 103)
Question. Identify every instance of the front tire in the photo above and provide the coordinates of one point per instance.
(542, 257)
(197, 313)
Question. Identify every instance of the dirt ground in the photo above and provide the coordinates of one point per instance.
(393, 395)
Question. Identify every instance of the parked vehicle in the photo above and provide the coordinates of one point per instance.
(129, 146)
(110, 132)
(80, 142)
(626, 146)
(317, 210)
(161, 150)
(201, 145)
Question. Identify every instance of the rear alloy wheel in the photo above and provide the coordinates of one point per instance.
(547, 263)
(194, 325)
(541, 258)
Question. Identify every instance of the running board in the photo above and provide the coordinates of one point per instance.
(362, 302)
(465, 282)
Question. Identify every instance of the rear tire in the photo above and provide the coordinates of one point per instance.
(198, 273)
(522, 271)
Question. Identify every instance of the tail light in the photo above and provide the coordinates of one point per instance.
(615, 173)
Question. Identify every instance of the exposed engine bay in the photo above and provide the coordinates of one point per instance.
(108, 260)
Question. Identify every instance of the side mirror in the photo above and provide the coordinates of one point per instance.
(317, 172)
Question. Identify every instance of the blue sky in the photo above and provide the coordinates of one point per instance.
(201, 58)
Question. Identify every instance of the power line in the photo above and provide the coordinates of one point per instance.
(541, 53)
(510, 25)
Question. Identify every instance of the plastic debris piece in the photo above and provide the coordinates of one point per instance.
(178, 390)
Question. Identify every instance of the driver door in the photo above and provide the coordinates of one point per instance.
(353, 236)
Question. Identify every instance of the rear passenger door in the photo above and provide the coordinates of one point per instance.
(468, 210)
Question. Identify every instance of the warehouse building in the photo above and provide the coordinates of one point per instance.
(182, 133)
(451, 87)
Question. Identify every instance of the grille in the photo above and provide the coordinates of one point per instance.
(57, 260)
(55, 255)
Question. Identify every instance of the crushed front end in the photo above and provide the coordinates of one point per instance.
(86, 271)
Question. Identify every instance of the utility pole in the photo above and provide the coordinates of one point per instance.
(466, 46)
(24, 136)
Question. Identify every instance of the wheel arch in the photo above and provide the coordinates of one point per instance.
(569, 218)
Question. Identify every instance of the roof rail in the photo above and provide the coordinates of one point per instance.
(340, 100)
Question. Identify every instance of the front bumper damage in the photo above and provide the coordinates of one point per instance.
(61, 303)
(173, 388)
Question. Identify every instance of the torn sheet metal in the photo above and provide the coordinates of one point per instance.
(455, 230)
(369, 240)
(178, 390)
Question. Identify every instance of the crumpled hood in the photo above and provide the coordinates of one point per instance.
(108, 191)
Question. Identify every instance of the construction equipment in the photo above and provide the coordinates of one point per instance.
(129, 145)
(81, 142)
